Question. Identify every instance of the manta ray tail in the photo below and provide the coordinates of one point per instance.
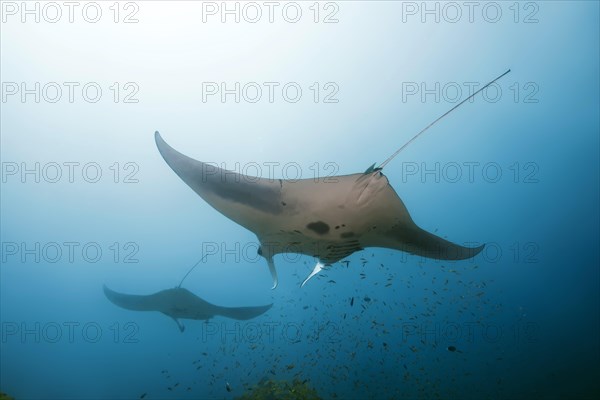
(390, 158)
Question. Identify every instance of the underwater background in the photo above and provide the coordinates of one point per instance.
(297, 90)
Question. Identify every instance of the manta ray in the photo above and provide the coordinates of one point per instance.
(327, 218)
(179, 303)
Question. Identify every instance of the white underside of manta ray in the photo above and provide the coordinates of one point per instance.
(316, 217)
(326, 218)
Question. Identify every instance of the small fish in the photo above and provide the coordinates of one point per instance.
(453, 349)
(143, 395)
(351, 301)
(228, 386)
(367, 299)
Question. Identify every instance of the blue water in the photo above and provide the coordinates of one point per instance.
(517, 170)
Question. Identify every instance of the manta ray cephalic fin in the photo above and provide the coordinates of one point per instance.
(273, 272)
(179, 324)
(315, 271)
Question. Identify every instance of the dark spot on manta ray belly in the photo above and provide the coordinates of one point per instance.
(319, 227)
(346, 235)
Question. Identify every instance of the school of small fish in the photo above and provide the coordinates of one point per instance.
(398, 329)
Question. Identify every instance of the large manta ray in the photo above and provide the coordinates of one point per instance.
(181, 303)
(328, 218)
(325, 218)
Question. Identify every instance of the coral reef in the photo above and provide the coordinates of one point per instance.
(268, 389)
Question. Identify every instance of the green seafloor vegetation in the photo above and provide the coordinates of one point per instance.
(268, 389)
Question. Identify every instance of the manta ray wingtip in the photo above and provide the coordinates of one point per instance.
(464, 253)
(478, 249)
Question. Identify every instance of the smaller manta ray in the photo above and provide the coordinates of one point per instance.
(181, 303)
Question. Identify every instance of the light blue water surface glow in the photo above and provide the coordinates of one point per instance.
(524, 314)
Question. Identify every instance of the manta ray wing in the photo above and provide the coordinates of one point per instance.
(244, 313)
(328, 218)
(134, 302)
(244, 199)
(393, 228)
